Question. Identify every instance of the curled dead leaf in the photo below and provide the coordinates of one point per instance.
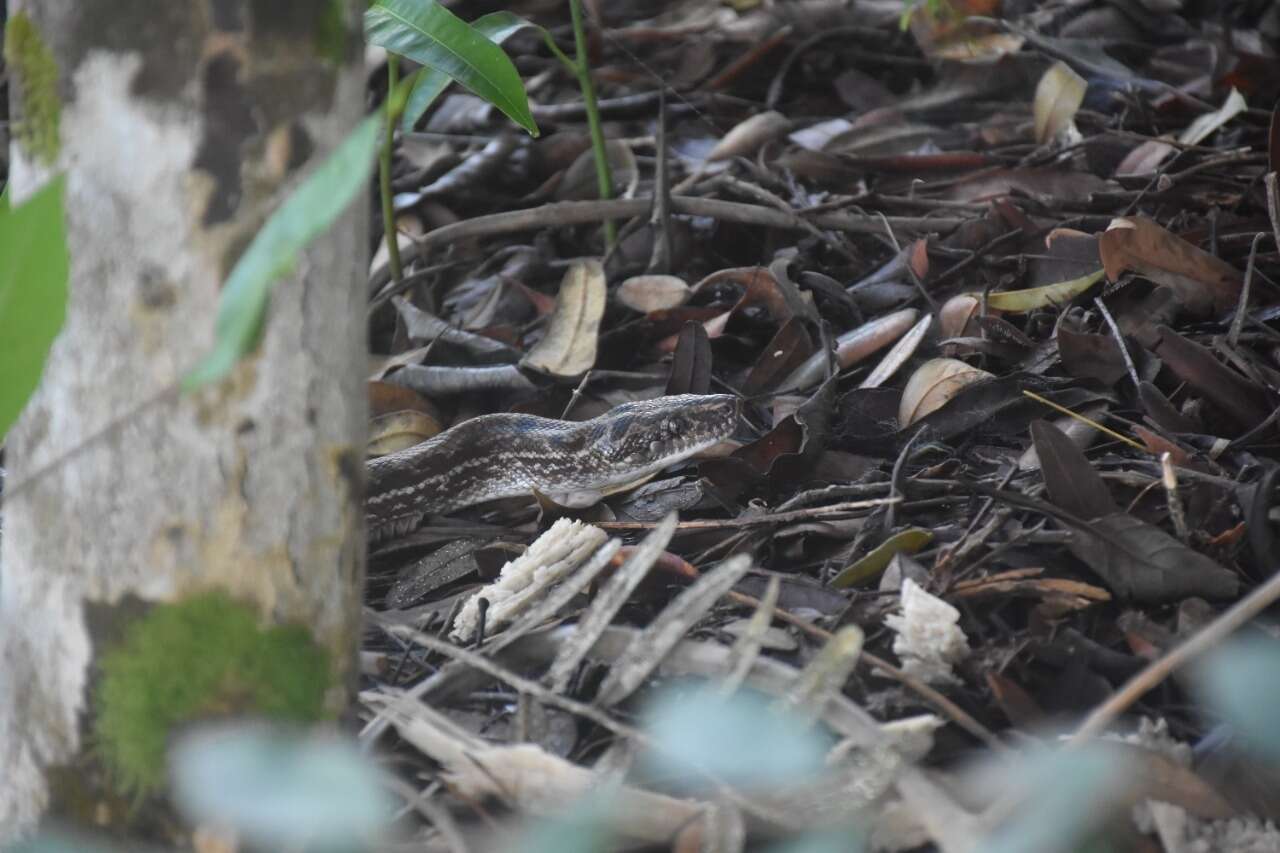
(1058, 95)
(959, 315)
(398, 430)
(646, 293)
(853, 346)
(933, 384)
(569, 347)
(749, 135)
(1204, 125)
(580, 182)
(898, 356)
(1202, 282)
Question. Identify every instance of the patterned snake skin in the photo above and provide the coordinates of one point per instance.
(574, 463)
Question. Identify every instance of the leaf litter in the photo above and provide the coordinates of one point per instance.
(985, 286)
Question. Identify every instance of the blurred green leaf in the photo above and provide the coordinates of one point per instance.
(585, 828)
(497, 27)
(1241, 681)
(847, 840)
(739, 739)
(279, 789)
(1066, 796)
(305, 215)
(58, 841)
(33, 293)
(430, 34)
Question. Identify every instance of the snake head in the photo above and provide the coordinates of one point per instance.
(644, 437)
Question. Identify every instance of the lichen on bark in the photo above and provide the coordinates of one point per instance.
(35, 74)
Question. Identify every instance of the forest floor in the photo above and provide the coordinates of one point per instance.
(996, 287)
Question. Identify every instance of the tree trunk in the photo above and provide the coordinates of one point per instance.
(182, 126)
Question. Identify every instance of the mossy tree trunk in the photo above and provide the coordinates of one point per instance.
(179, 127)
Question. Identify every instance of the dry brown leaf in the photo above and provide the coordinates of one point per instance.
(1205, 125)
(1144, 159)
(747, 136)
(1058, 95)
(387, 397)
(398, 430)
(1203, 283)
(569, 347)
(897, 356)
(958, 316)
(934, 384)
(579, 180)
(646, 293)
(852, 347)
(1055, 183)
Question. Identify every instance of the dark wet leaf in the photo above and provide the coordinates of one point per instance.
(1241, 400)
(425, 328)
(691, 364)
(1087, 356)
(1141, 562)
(1070, 479)
(791, 346)
(446, 564)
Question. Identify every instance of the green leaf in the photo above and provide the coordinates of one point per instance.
(1241, 682)
(279, 788)
(1065, 796)
(903, 542)
(33, 293)
(305, 214)
(426, 32)
(703, 732)
(497, 27)
(1049, 295)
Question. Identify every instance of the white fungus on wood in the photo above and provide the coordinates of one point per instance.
(928, 641)
(551, 557)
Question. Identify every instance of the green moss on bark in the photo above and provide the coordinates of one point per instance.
(202, 658)
(35, 74)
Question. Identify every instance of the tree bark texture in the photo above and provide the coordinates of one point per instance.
(182, 126)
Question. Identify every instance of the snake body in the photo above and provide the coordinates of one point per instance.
(573, 462)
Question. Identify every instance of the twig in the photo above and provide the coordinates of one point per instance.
(1124, 351)
(754, 521)
(1158, 670)
(1090, 421)
(1169, 478)
(565, 213)
(1242, 306)
(950, 709)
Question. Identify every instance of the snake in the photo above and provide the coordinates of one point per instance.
(573, 463)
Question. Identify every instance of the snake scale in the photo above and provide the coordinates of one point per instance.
(574, 463)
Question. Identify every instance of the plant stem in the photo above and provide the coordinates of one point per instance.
(384, 169)
(582, 69)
